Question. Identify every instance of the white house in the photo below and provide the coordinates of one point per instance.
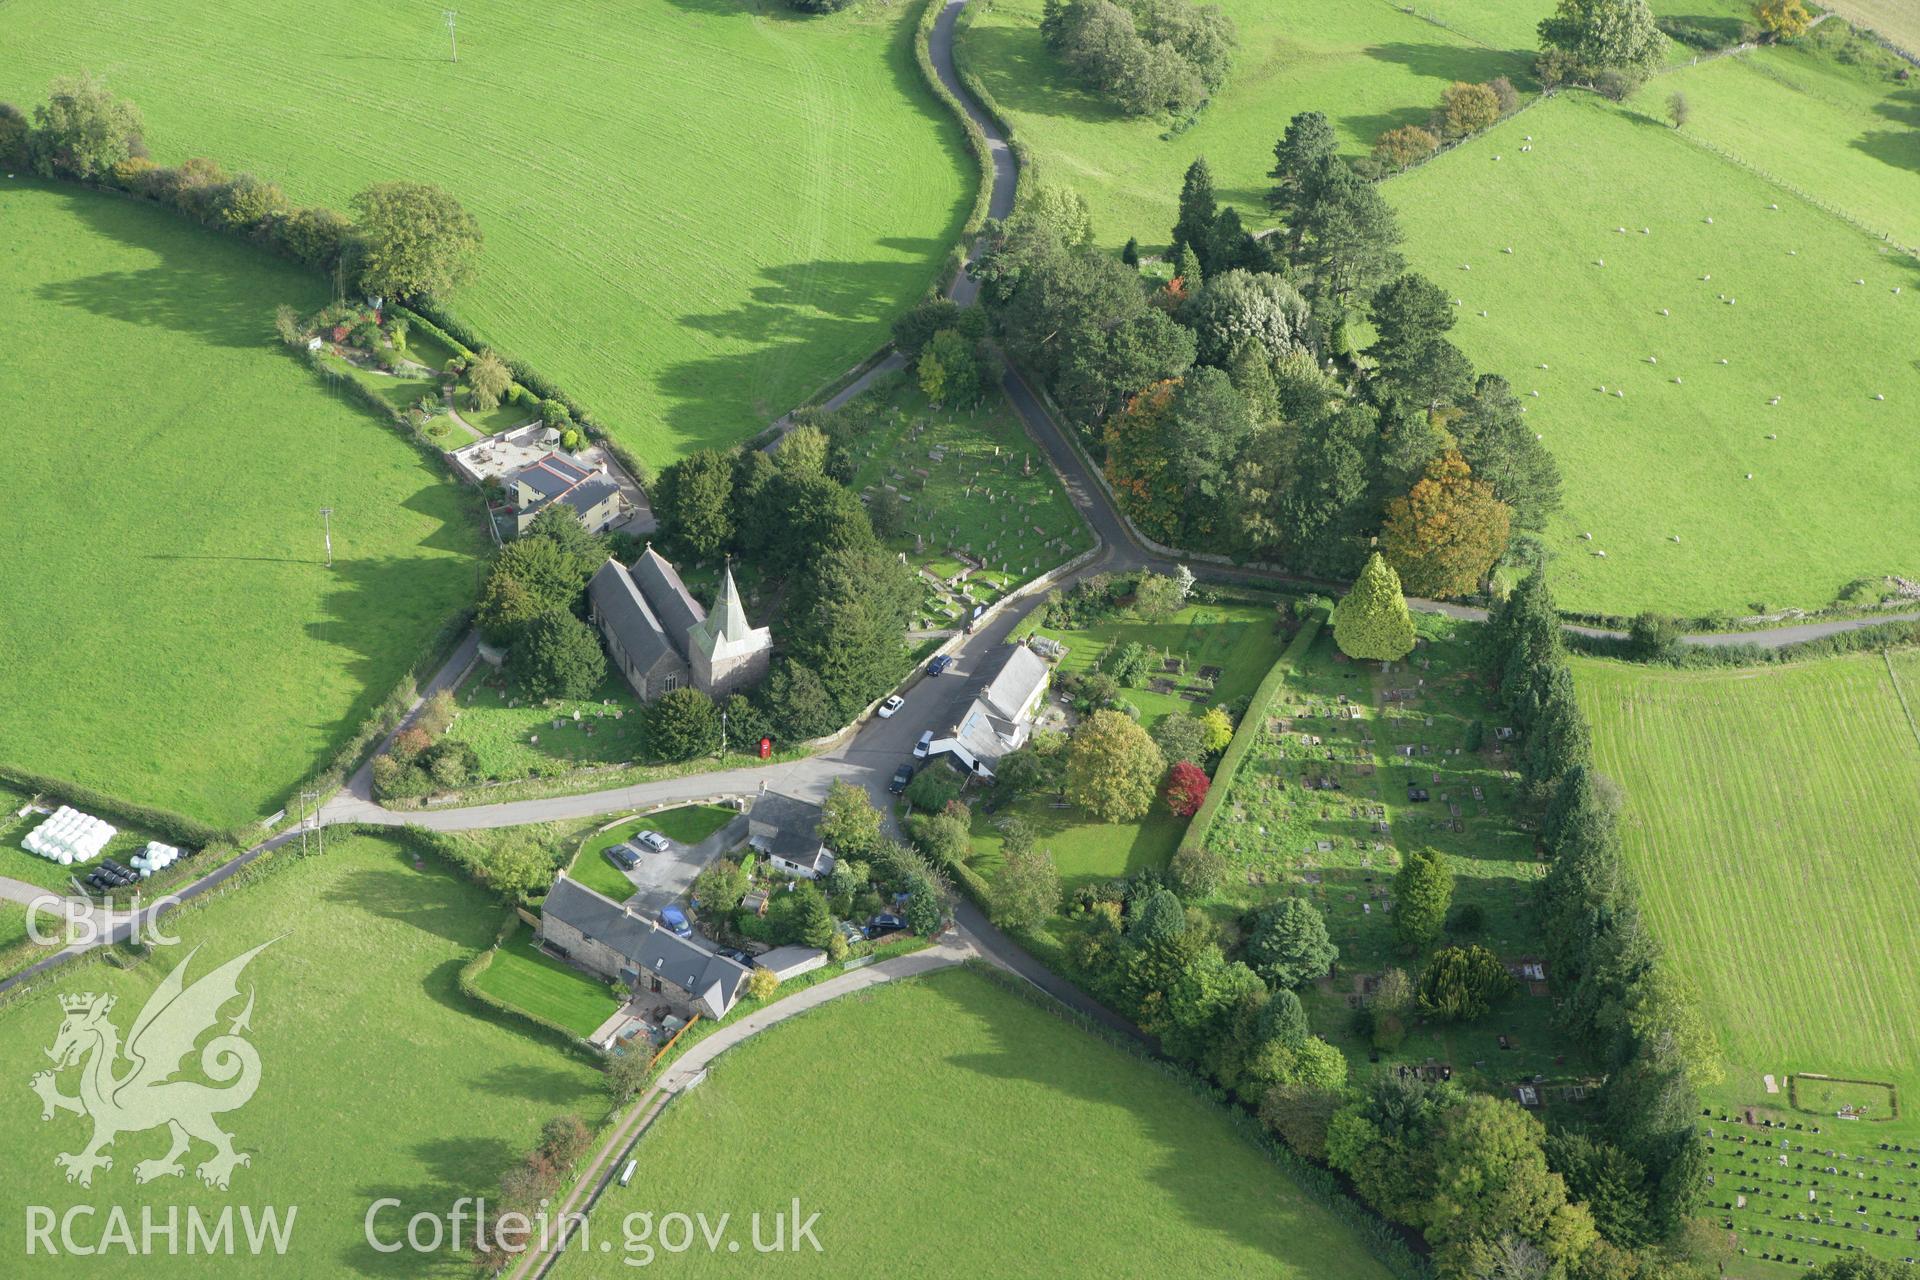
(787, 831)
(993, 713)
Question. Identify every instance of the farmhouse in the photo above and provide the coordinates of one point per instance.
(662, 639)
(993, 713)
(604, 938)
(787, 831)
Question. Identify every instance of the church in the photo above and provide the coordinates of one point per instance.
(662, 639)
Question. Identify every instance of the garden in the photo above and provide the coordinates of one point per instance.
(1085, 1159)
(223, 661)
(524, 976)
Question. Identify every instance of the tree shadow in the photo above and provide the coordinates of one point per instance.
(1899, 147)
(1198, 1188)
(1017, 71)
(1450, 62)
(397, 893)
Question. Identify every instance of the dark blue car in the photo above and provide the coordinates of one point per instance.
(939, 664)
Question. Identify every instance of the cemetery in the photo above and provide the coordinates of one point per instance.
(964, 495)
(1801, 1191)
(1356, 765)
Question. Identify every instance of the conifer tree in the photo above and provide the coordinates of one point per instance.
(1372, 621)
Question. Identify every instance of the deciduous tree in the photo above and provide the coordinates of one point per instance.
(83, 130)
(413, 240)
(1113, 767)
(1186, 791)
(1446, 534)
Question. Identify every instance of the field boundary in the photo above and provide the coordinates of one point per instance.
(1252, 725)
(1893, 676)
(1893, 1093)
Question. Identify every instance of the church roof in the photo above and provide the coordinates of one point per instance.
(725, 625)
(625, 613)
(660, 583)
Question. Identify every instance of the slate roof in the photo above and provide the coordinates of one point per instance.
(621, 608)
(587, 495)
(1015, 673)
(660, 583)
(551, 476)
(984, 711)
(789, 828)
(711, 979)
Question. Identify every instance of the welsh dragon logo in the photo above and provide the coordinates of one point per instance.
(145, 1094)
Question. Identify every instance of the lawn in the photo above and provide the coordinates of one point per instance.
(687, 825)
(971, 484)
(528, 978)
(1659, 476)
(516, 739)
(1770, 818)
(1370, 67)
(959, 1104)
(1844, 134)
(378, 1078)
(695, 213)
(1285, 831)
(173, 633)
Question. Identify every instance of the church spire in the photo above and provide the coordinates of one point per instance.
(728, 617)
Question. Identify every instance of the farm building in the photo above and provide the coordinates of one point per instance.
(606, 939)
(993, 713)
(786, 830)
(662, 639)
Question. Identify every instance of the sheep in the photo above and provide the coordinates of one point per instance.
(1749, 475)
(1709, 221)
(1675, 537)
(1496, 157)
(1466, 266)
(1775, 400)
(1601, 554)
(1534, 394)
(1665, 312)
(1878, 396)
(1774, 207)
(1508, 249)
(1619, 394)
(1676, 382)
(1723, 360)
(1859, 281)
(1587, 536)
(1543, 366)
(1772, 435)
(1603, 388)
(1706, 277)
(1646, 231)
(1653, 359)
(1599, 262)
(1483, 315)
(1620, 231)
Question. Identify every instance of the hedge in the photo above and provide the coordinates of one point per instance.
(1246, 735)
(1386, 1242)
(175, 827)
(1884, 635)
(1024, 171)
(976, 137)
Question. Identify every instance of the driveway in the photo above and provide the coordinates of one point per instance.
(664, 878)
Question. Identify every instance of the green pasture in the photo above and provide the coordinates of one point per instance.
(1897, 20)
(528, 978)
(1845, 133)
(173, 633)
(1658, 475)
(378, 1078)
(695, 213)
(970, 481)
(1084, 1160)
(1285, 832)
(1770, 820)
(1369, 66)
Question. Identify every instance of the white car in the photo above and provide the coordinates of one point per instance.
(891, 705)
(654, 841)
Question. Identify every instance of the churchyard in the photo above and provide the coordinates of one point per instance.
(377, 1078)
(1770, 820)
(1323, 807)
(1085, 1159)
(964, 494)
(222, 661)
(517, 738)
(1714, 460)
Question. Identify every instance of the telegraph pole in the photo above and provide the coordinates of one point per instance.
(326, 524)
(453, 37)
(723, 736)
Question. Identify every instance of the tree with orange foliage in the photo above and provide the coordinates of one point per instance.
(1444, 536)
(1138, 467)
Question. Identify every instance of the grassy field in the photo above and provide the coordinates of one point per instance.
(1771, 821)
(1844, 134)
(1367, 65)
(173, 635)
(1670, 459)
(1771, 818)
(695, 213)
(528, 978)
(971, 482)
(378, 1077)
(1285, 832)
(961, 1105)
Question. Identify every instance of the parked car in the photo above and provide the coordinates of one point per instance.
(901, 777)
(884, 923)
(736, 955)
(891, 705)
(622, 857)
(925, 744)
(940, 664)
(654, 841)
(674, 920)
